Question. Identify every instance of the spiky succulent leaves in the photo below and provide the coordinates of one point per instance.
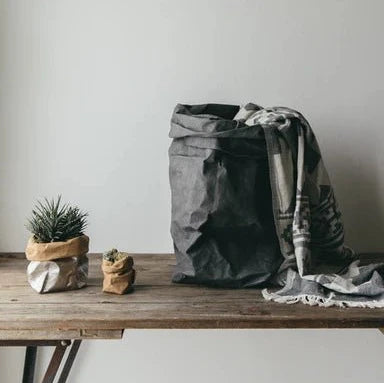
(52, 221)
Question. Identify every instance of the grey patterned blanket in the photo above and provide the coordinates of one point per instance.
(318, 269)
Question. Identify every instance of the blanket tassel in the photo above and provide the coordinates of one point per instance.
(314, 300)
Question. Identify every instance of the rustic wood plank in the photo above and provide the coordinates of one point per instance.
(60, 334)
(28, 343)
(150, 315)
(142, 294)
(156, 303)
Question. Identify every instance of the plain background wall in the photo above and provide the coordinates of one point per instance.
(87, 88)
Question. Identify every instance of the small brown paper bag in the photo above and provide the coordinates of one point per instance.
(119, 275)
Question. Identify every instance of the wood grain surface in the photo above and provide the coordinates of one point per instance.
(155, 303)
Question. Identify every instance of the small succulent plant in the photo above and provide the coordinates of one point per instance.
(114, 255)
(52, 221)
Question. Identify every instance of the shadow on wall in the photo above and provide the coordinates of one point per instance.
(358, 192)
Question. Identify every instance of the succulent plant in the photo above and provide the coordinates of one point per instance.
(52, 221)
(114, 255)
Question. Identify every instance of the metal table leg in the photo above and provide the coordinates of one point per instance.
(29, 364)
(69, 362)
(55, 362)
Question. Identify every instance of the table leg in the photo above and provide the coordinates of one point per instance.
(29, 364)
(69, 362)
(382, 330)
(55, 362)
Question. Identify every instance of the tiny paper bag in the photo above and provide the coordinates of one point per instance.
(119, 275)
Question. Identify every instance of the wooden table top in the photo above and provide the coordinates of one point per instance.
(155, 303)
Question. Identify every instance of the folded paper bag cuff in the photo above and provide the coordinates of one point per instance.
(120, 266)
(74, 247)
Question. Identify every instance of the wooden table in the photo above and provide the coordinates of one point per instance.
(57, 319)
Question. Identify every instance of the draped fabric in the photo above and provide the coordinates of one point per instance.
(317, 268)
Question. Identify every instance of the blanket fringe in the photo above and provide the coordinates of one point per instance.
(315, 300)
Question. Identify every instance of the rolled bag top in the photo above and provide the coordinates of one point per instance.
(73, 247)
(211, 121)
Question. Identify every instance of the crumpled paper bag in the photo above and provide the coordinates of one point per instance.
(59, 274)
(119, 276)
(58, 266)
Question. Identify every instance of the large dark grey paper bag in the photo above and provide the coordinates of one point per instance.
(222, 221)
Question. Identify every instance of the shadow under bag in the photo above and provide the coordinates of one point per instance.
(222, 219)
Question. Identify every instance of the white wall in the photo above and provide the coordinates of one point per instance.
(87, 88)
